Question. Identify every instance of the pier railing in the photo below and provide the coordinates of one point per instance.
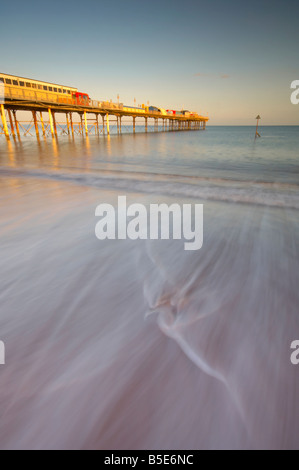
(56, 99)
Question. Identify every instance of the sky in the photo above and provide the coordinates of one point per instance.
(230, 60)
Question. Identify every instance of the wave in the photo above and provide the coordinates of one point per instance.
(269, 194)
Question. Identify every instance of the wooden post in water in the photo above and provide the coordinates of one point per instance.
(4, 123)
(146, 124)
(257, 126)
(134, 124)
(120, 124)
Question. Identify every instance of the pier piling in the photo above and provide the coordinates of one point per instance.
(11, 124)
(85, 123)
(107, 124)
(4, 122)
(42, 123)
(51, 122)
(68, 124)
(35, 124)
(16, 123)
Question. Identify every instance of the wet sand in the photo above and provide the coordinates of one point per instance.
(140, 345)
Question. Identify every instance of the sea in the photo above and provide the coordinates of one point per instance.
(140, 344)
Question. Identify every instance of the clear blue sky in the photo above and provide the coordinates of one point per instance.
(232, 59)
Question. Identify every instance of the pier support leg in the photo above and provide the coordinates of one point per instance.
(68, 124)
(146, 124)
(107, 124)
(103, 119)
(72, 125)
(54, 123)
(134, 124)
(117, 121)
(16, 123)
(4, 123)
(42, 123)
(97, 124)
(85, 123)
(51, 122)
(120, 124)
(35, 124)
(11, 123)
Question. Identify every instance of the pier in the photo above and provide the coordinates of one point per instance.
(90, 117)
